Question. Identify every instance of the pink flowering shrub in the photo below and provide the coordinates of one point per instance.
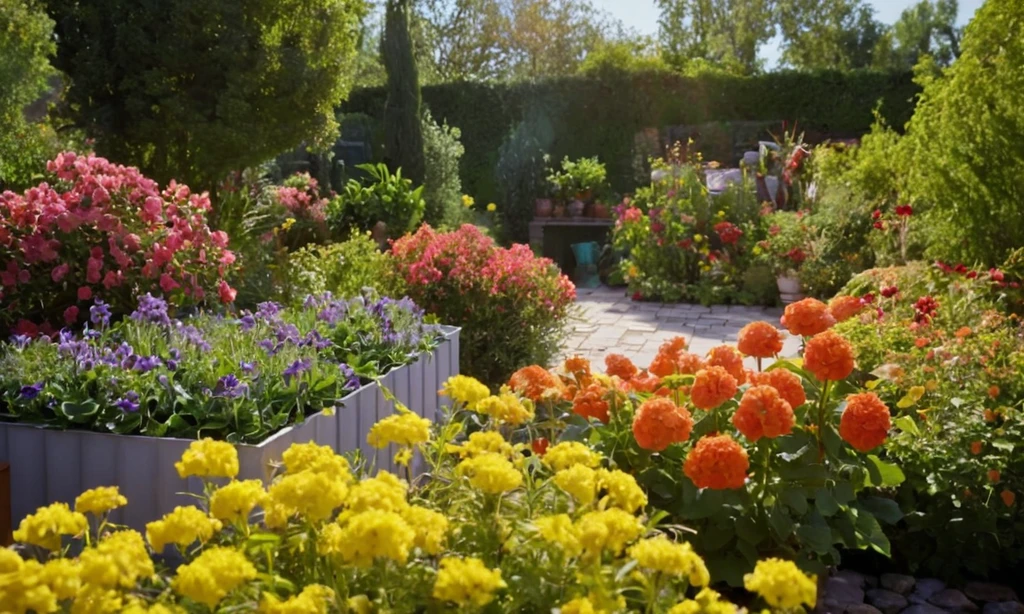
(512, 306)
(299, 212)
(101, 231)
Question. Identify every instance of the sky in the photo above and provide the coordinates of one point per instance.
(642, 15)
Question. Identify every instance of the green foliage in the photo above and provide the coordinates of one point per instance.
(928, 28)
(578, 178)
(403, 130)
(832, 34)
(343, 269)
(719, 33)
(521, 173)
(787, 242)
(632, 54)
(442, 189)
(388, 198)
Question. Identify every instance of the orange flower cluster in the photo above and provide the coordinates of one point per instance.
(534, 382)
(712, 387)
(646, 382)
(843, 308)
(670, 358)
(763, 413)
(829, 356)
(590, 403)
(659, 423)
(619, 366)
(807, 317)
(787, 383)
(718, 463)
(865, 422)
(760, 340)
(728, 358)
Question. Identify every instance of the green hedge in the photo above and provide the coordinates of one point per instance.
(600, 114)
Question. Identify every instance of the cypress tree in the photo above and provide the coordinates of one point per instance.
(403, 133)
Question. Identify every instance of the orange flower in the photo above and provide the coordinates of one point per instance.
(975, 448)
(964, 331)
(659, 423)
(577, 365)
(993, 392)
(788, 384)
(807, 317)
(829, 356)
(921, 342)
(617, 364)
(843, 308)
(665, 363)
(645, 382)
(728, 358)
(760, 340)
(590, 403)
(712, 387)
(865, 422)
(1008, 497)
(994, 475)
(718, 463)
(763, 413)
(534, 382)
(990, 416)
(689, 364)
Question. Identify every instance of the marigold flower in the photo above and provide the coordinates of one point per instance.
(579, 605)
(788, 384)
(807, 318)
(975, 448)
(990, 416)
(707, 601)
(490, 473)
(207, 458)
(1008, 497)
(962, 332)
(45, 527)
(569, 453)
(403, 429)
(665, 362)
(782, 584)
(98, 501)
(213, 575)
(182, 527)
(994, 475)
(717, 462)
(620, 366)
(22, 589)
(316, 458)
(431, 528)
(314, 496)
(579, 481)
(763, 413)
(689, 364)
(466, 390)
(843, 308)
(760, 340)
(235, 501)
(645, 382)
(560, 531)
(712, 387)
(314, 599)
(623, 491)
(829, 356)
(577, 365)
(609, 529)
(467, 582)
(363, 537)
(659, 554)
(993, 392)
(659, 423)
(535, 382)
(590, 403)
(384, 493)
(119, 560)
(865, 422)
(506, 407)
(483, 442)
(61, 576)
(728, 358)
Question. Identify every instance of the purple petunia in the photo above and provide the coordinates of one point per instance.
(30, 392)
(247, 367)
(247, 321)
(192, 335)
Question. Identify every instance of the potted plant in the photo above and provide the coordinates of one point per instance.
(785, 250)
(542, 207)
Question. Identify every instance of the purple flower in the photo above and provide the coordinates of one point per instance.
(247, 321)
(99, 314)
(30, 392)
(162, 379)
(269, 312)
(269, 346)
(193, 335)
(247, 367)
(230, 387)
(351, 379)
(129, 402)
(21, 341)
(151, 309)
(296, 369)
(145, 364)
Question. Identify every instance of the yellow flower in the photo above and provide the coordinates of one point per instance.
(467, 581)
(48, 524)
(403, 457)
(569, 453)
(707, 601)
(506, 407)
(623, 491)
(660, 554)
(288, 223)
(119, 560)
(212, 575)
(367, 536)
(314, 599)
(137, 606)
(314, 496)
(490, 473)
(431, 528)
(96, 600)
(404, 429)
(384, 493)
(607, 530)
(483, 442)
(580, 605)
(235, 501)
(62, 576)
(492, 207)
(207, 458)
(182, 527)
(22, 588)
(782, 584)
(466, 390)
(467, 201)
(360, 604)
(697, 238)
(580, 482)
(559, 530)
(100, 500)
(318, 459)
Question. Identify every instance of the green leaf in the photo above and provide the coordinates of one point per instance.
(907, 425)
(781, 523)
(1002, 444)
(817, 538)
(81, 411)
(843, 493)
(886, 510)
(824, 502)
(881, 473)
(871, 532)
(751, 532)
(795, 499)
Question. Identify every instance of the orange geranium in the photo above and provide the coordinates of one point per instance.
(619, 365)
(1008, 497)
(590, 403)
(711, 387)
(763, 413)
(665, 363)
(689, 364)
(718, 463)
(788, 384)
(843, 308)
(829, 356)
(760, 340)
(975, 448)
(534, 382)
(728, 358)
(865, 422)
(645, 382)
(659, 423)
(577, 365)
(807, 317)
(994, 475)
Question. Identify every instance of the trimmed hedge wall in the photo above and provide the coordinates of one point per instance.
(601, 114)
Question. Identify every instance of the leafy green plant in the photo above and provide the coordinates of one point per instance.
(344, 269)
(386, 197)
(578, 178)
(442, 187)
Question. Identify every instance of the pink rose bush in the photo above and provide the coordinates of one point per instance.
(102, 231)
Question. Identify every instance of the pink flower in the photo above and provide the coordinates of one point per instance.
(59, 272)
(113, 279)
(84, 293)
(226, 292)
(93, 270)
(71, 315)
(167, 283)
(219, 238)
(132, 242)
(152, 207)
(227, 257)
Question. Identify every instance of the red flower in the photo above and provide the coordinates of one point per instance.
(876, 214)
(540, 446)
(890, 291)
(728, 232)
(996, 275)
(904, 210)
(227, 293)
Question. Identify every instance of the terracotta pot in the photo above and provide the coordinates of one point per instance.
(790, 289)
(542, 207)
(576, 208)
(600, 211)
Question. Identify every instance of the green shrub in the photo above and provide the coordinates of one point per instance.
(343, 269)
(521, 174)
(578, 178)
(388, 198)
(442, 188)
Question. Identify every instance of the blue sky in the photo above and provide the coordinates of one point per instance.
(642, 15)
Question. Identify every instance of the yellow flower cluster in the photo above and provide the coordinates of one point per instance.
(385, 493)
(235, 501)
(467, 582)
(467, 201)
(207, 458)
(99, 501)
(580, 605)
(45, 527)
(431, 528)
(490, 473)
(316, 458)
(465, 390)
(314, 599)
(782, 584)
(24, 586)
(212, 575)
(182, 527)
(560, 531)
(595, 532)
(507, 408)
(579, 481)
(361, 538)
(569, 453)
(403, 429)
(312, 495)
(659, 554)
(707, 601)
(584, 483)
(483, 442)
(119, 560)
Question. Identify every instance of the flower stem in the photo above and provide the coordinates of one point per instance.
(822, 400)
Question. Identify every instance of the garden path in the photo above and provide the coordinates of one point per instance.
(612, 322)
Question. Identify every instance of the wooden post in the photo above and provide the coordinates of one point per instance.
(6, 539)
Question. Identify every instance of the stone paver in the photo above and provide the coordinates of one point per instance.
(611, 322)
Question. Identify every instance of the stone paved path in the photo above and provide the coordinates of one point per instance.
(612, 322)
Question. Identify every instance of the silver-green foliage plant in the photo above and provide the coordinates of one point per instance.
(442, 188)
